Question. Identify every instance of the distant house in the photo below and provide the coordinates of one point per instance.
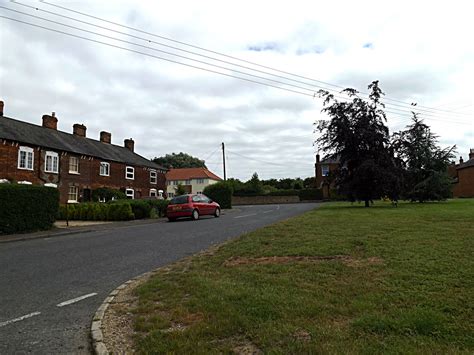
(463, 174)
(194, 180)
(322, 170)
(73, 163)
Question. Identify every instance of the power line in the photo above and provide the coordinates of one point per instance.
(227, 56)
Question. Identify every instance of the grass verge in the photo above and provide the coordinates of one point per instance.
(340, 279)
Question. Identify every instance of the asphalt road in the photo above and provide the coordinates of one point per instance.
(50, 288)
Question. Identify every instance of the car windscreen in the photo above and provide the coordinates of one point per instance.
(179, 200)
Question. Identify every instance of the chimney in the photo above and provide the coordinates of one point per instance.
(471, 154)
(50, 121)
(1, 108)
(317, 158)
(129, 144)
(79, 130)
(105, 137)
(461, 160)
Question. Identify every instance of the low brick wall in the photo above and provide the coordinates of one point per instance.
(263, 200)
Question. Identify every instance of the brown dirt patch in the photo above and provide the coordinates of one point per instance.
(302, 335)
(236, 261)
(247, 349)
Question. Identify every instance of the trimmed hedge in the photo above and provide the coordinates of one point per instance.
(284, 193)
(96, 211)
(26, 208)
(310, 194)
(304, 194)
(220, 192)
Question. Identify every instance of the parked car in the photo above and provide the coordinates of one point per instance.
(193, 206)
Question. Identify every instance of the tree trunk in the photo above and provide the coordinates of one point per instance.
(367, 203)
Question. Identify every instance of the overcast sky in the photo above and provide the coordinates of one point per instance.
(420, 51)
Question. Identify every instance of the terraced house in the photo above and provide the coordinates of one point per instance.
(73, 163)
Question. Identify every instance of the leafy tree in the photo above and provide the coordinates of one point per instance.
(309, 182)
(180, 190)
(179, 161)
(425, 164)
(254, 184)
(357, 134)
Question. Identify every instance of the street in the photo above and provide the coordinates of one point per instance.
(51, 287)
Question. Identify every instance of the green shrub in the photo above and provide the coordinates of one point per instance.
(107, 194)
(158, 207)
(120, 212)
(284, 193)
(96, 211)
(25, 208)
(220, 192)
(310, 194)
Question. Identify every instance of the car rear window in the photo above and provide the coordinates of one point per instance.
(179, 200)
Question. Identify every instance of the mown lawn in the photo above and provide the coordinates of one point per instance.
(387, 280)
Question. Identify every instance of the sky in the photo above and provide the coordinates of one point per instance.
(421, 52)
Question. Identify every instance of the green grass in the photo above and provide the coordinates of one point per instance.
(406, 285)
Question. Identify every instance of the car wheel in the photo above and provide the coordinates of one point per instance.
(171, 219)
(195, 215)
(217, 213)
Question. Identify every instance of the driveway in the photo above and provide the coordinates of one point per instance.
(51, 287)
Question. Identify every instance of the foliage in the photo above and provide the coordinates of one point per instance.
(158, 207)
(309, 183)
(104, 193)
(400, 283)
(141, 208)
(180, 190)
(25, 208)
(179, 161)
(310, 194)
(97, 211)
(425, 163)
(356, 134)
(220, 192)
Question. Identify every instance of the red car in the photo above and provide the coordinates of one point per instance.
(192, 206)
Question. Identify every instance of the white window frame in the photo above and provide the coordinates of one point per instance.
(24, 182)
(153, 177)
(153, 193)
(200, 181)
(49, 184)
(53, 158)
(170, 195)
(130, 193)
(130, 173)
(324, 170)
(104, 166)
(76, 165)
(76, 197)
(28, 163)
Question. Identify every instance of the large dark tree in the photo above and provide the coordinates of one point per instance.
(357, 135)
(180, 160)
(425, 164)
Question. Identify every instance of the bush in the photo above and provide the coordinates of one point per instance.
(158, 207)
(141, 209)
(310, 194)
(284, 193)
(26, 208)
(220, 192)
(96, 211)
(107, 194)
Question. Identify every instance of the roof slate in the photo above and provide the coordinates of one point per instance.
(466, 164)
(191, 173)
(29, 133)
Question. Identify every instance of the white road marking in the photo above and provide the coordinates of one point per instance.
(2, 324)
(267, 211)
(74, 300)
(246, 215)
(278, 207)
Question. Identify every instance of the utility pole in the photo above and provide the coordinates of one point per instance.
(223, 159)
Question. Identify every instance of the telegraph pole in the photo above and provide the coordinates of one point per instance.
(223, 159)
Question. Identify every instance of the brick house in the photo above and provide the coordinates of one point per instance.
(194, 180)
(463, 174)
(73, 163)
(322, 170)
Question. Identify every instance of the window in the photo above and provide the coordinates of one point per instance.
(25, 158)
(187, 182)
(24, 182)
(170, 194)
(199, 192)
(73, 165)
(130, 173)
(153, 178)
(130, 193)
(175, 182)
(104, 169)
(153, 193)
(199, 181)
(72, 195)
(51, 162)
(325, 170)
(51, 185)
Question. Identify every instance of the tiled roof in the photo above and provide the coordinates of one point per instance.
(28, 133)
(466, 164)
(191, 173)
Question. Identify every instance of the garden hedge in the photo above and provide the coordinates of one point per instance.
(220, 192)
(26, 208)
(310, 194)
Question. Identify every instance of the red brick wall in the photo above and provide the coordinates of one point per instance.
(88, 177)
(465, 185)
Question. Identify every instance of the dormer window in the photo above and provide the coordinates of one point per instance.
(130, 173)
(51, 162)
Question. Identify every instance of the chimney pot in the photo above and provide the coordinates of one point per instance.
(129, 144)
(50, 121)
(461, 160)
(1, 108)
(317, 158)
(105, 137)
(53, 114)
(79, 130)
